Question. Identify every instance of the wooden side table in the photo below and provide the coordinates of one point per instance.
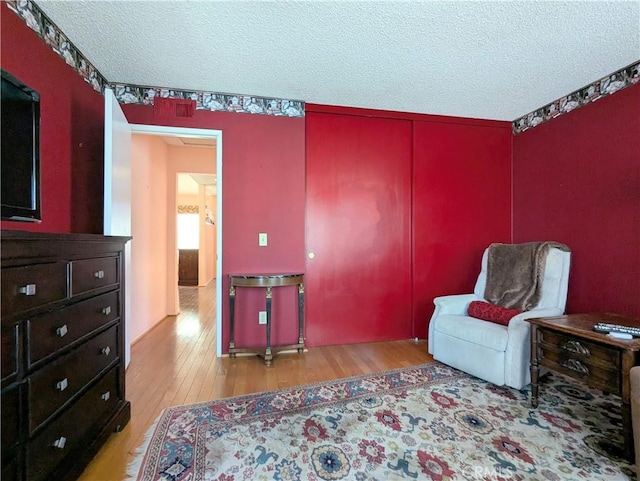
(268, 282)
(569, 345)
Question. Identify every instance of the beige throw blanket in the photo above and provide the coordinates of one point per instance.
(515, 273)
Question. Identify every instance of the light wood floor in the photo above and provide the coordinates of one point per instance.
(175, 364)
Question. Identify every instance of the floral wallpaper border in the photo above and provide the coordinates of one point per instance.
(53, 36)
(608, 85)
(215, 101)
(36, 19)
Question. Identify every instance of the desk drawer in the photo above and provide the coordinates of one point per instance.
(32, 286)
(52, 386)
(596, 364)
(90, 274)
(74, 429)
(55, 330)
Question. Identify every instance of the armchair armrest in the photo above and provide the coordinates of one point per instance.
(518, 352)
(456, 305)
(519, 327)
(453, 305)
(542, 312)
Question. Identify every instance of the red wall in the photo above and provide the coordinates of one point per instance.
(263, 190)
(577, 181)
(461, 204)
(71, 131)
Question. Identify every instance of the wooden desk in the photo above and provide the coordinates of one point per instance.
(569, 345)
(267, 281)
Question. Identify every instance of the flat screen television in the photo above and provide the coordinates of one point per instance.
(19, 150)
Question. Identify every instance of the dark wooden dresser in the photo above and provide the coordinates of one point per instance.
(63, 383)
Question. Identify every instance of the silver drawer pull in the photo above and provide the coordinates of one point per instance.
(98, 274)
(575, 346)
(106, 351)
(62, 385)
(28, 290)
(60, 442)
(106, 396)
(106, 310)
(576, 366)
(62, 331)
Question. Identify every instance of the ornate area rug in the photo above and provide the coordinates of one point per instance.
(427, 422)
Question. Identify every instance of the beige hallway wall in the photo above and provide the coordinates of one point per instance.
(149, 216)
(210, 240)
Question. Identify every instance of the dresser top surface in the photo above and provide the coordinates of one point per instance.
(20, 235)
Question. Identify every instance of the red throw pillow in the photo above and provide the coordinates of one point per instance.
(491, 312)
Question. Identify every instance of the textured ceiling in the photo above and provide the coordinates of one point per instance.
(482, 59)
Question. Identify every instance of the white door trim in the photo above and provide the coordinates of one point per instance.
(117, 193)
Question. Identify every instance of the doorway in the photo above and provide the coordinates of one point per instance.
(197, 201)
(194, 137)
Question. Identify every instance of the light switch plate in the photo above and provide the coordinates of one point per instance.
(262, 239)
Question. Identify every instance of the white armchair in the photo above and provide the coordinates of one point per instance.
(494, 352)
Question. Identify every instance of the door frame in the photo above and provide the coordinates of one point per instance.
(166, 131)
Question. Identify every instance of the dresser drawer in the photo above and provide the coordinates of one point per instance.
(32, 286)
(10, 469)
(10, 403)
(55, 330)
(598, 365)
(73, 430)
(55, 384)
(90, 274)
(9, 350)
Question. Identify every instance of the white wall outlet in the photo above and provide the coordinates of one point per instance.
(262, 239)
(262, 317)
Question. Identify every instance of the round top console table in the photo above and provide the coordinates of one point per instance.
(268, 282)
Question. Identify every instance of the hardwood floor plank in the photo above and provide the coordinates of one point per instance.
(175, 363)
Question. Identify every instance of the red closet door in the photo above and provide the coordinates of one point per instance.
(358, 268)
